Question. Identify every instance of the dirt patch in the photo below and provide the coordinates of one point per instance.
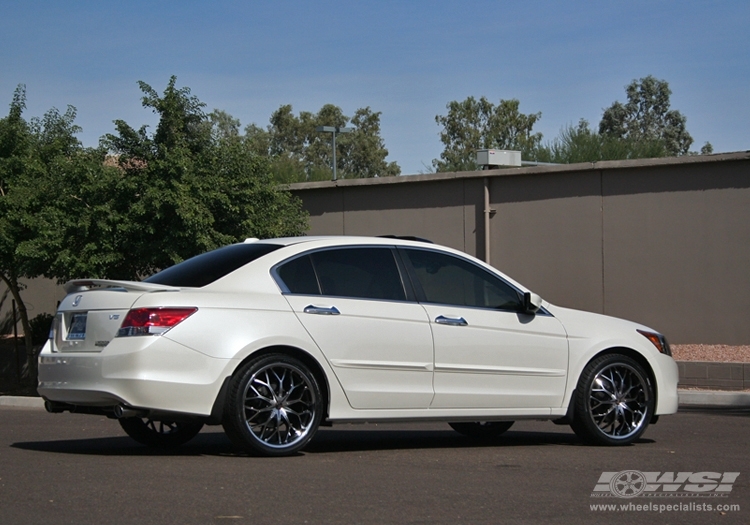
(720, 353)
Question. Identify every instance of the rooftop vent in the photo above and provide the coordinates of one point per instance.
(496, 158)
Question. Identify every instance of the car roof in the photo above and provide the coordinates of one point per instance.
(343, 240)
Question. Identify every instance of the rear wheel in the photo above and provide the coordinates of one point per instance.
(614, 401)
(164, 434)
(274, 406)
(483, 429)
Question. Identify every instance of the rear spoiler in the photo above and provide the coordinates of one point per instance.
(81, 285)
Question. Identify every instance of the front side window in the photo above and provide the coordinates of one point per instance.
(447, 279)
(366, 273)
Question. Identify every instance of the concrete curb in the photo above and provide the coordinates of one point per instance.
(714, 398)
(688, 398)
(21, 401)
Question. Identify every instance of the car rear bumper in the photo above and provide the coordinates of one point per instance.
(152, 373)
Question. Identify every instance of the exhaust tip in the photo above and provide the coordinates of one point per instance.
(54, 408)
(122, 411)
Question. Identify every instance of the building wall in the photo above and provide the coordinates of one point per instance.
(39, 295)
(665, 242)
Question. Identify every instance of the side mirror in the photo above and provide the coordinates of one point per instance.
(531, 303)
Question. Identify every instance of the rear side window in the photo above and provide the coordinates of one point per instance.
(299, 277)
(365, 273)
(208, 267)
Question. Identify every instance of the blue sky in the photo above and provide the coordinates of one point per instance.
(406, 59)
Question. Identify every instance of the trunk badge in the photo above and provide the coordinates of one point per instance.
(77, 300)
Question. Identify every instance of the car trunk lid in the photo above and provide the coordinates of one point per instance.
(92, 312)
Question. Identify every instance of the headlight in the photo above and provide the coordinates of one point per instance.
(658, 340)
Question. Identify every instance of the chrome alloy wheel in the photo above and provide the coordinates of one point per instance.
(280, 404)
(619, 401)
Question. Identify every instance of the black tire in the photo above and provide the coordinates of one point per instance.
(274, 406)
(161, 434)
(614, 401)
(482, 430)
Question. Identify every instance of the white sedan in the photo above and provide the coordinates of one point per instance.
(273, 338)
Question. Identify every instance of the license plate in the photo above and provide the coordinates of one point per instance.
(77, 328)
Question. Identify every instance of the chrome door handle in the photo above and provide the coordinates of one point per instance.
(321, 310)
(453, 321)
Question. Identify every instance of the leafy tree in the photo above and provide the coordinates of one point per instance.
(16, 196)
(223, 126)
(473, 124)
(29, 152)
(299, 153)
(646, 117)
(183, 190)
(363, 151)
(581, 144)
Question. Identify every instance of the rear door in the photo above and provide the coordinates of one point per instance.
(354, 304)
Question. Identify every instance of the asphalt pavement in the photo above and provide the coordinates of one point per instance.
(83, 470)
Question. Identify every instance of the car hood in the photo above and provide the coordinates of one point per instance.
(579, 323)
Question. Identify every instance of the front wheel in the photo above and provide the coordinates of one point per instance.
(614, 401)
(161, 434)
(274, 406)
(483, 429)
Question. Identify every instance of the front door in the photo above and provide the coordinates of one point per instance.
(487, 353)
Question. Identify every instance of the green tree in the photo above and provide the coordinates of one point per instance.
(363, 151)
(29, 153)
(473, 124)
(646, 117)
(17, 167)
(299, 153)
(581, 144)
(183, 190)
(223, 126)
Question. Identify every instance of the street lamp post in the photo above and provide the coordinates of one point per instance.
(333, 130)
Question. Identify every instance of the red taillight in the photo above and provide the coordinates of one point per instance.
(152, 321)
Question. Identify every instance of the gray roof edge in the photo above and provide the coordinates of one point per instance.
(532, 170)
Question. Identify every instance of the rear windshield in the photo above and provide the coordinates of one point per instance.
(210, 266)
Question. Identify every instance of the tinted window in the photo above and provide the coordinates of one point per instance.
(446, 279)
(299, 277)
(208, 267)
(369, 273)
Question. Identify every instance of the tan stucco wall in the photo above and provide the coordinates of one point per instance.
(39, 295)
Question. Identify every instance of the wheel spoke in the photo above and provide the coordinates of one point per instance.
(259, 395)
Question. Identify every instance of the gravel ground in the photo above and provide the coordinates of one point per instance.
(723, 353)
